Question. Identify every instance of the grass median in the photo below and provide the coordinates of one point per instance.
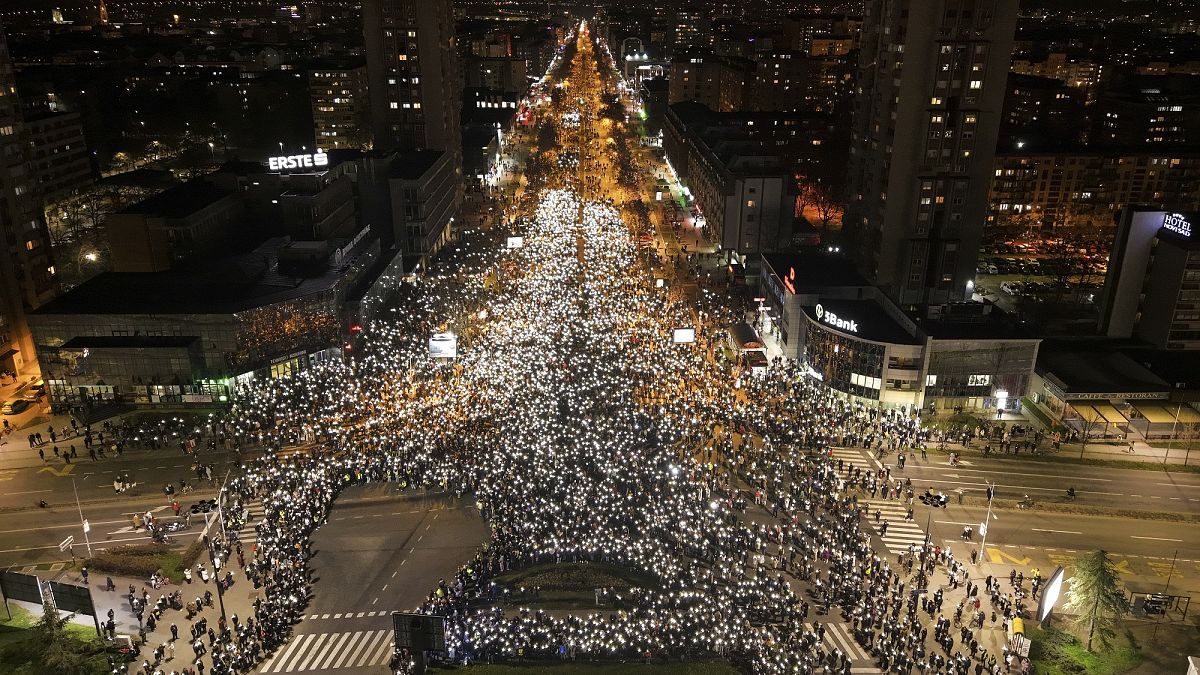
(565, 585)
(143, 560)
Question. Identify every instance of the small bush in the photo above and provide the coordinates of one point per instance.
(138, 560)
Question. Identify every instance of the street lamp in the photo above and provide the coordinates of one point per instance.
(216, 563)
(212, 153)
(82, 521)
(983, 528)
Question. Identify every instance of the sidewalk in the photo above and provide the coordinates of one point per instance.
(17, 453)
(238, 600)
(1143, 453)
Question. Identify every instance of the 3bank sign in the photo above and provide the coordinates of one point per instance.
(289, 162)
(835, 320)
(1177, 223)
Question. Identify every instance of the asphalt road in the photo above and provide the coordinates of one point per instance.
(1047, 482)
(31, 537)
(1160, 554)
(376, 555)
(150, 469)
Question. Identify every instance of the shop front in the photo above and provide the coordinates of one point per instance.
(858, 350)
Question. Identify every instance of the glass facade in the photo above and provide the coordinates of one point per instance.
(847, 364)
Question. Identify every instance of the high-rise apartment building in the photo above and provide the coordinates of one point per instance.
(26, 269)
(415, 88)
(929, 101)
(413, 75)
(340, 106)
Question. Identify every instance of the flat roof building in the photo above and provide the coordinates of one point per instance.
(853, 337)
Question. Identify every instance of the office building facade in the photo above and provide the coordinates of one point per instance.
(1152, 290)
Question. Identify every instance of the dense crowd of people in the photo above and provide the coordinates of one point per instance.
(584, 433)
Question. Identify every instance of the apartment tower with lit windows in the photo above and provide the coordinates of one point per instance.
(412, 73)
(928, 107)
(26, 269)
(415, 93)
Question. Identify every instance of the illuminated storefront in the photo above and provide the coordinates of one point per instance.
(849, 334)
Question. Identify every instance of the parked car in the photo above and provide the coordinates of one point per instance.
(15, 407)
(35, 391)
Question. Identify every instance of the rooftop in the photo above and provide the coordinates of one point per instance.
(1094, 367)
(225, 287)
(179, 201)
(412, 165)
(815, 269)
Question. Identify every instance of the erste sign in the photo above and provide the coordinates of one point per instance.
(836, 321)
(287, 162)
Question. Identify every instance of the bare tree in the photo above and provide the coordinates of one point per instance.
(1089, 421)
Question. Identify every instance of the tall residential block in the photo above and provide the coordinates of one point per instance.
(340, 106)
(415, 89)
(928, 108)
(413, 75)
(26, 269)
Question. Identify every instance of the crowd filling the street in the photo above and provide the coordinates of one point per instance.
(582, 432)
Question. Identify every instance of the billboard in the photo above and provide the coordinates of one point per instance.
(1050, 594)
(72, 598)
(443, 346)
(23, 587)
(684, 336)
(516, 242)
(419, 632)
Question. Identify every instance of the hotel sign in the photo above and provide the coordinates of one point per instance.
(1177, 223)
(835, 320)
(289, 162)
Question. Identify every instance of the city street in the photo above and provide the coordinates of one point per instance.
(586, 413)
(32, 536)
(394, 549)
(1133, 489)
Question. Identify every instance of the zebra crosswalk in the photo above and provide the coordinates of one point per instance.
(318, 652)
(854, 456)
(348, 615)
(247, 535)
(900, 533)
(840, 636)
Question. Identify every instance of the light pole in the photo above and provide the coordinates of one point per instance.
(212, 153)
(86, 527)
(983, 529)
(216, 563)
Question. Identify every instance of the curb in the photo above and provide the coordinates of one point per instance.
(212, 492)
(1083, 510)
